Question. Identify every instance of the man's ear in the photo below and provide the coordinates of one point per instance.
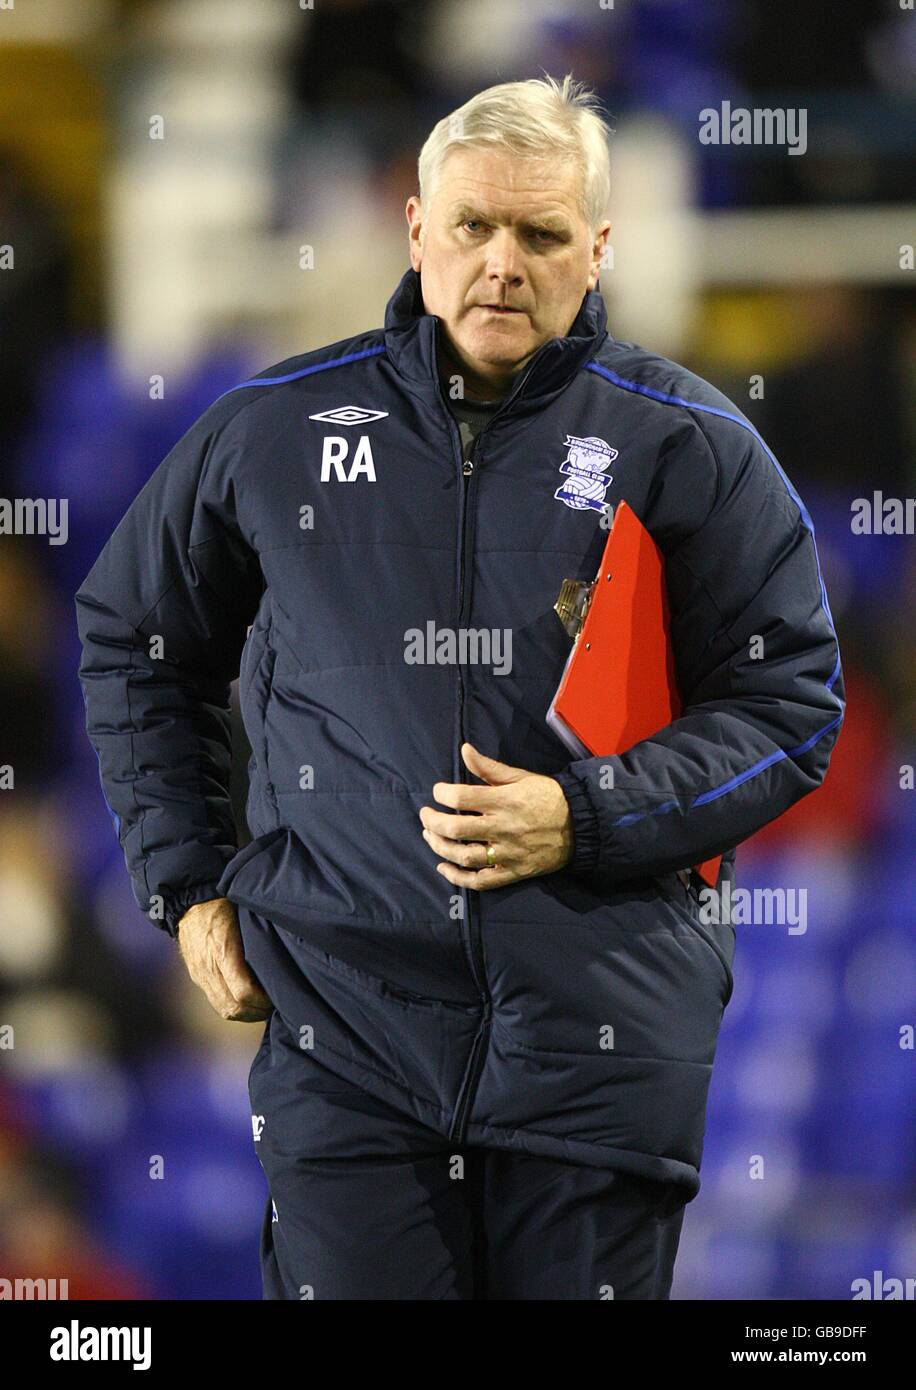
(598, 250)
(414, 213)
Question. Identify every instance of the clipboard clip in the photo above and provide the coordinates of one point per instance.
(575, 595)
(572, 604)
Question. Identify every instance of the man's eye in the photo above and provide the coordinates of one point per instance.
(474, 225)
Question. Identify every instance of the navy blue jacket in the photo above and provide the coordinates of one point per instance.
(573, 1014)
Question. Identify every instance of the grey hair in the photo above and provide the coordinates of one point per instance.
(539, 116)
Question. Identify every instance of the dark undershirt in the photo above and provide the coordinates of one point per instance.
(471, 417)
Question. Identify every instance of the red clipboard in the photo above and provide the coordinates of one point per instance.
(619, 684)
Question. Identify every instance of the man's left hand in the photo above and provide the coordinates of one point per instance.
(523, 815)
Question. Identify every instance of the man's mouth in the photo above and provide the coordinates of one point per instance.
(500, 308)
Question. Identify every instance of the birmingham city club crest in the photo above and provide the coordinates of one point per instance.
(585, 463)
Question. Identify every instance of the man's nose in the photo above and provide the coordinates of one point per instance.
(504, 261)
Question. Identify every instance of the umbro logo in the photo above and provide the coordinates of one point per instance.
(349, 415)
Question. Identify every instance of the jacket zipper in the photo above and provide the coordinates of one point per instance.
(475, 959)
(478, 1049)
(473, 945)
(471, 1077)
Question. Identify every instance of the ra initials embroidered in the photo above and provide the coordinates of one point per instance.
(335, 451)
(586, 462)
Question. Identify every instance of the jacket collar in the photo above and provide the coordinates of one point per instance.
(412, 339)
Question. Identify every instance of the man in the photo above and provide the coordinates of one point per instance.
(492, 998)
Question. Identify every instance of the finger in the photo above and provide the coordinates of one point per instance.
(468, 796)
(229, 957)
(217, 992)
(483, 879)
(248, 1015)
(251, 998)
(232, 1009)
(451, 827)
(238, 997)
(240, 979)
(204, 971)
(490, 769)
(470, 856)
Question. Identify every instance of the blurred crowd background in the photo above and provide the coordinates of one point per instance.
(151, 274)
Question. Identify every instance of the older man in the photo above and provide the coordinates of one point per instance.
(492, 998)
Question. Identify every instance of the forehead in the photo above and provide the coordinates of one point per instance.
(501, 184)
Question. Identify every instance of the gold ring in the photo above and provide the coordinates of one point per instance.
(491, 857)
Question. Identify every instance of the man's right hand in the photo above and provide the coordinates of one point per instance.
(211, 947)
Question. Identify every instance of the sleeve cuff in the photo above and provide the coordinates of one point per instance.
(586, 830)
(177, 904)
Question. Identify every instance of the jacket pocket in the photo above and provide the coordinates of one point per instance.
(256, 674)
(244, 856)
(278, 879)
(279, 876)
(253, 652)
(688, 907)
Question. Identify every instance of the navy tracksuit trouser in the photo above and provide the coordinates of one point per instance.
(368, 1203)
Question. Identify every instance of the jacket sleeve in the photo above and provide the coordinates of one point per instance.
(759, 672)
(162, 617)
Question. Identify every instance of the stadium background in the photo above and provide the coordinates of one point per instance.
(178, 258)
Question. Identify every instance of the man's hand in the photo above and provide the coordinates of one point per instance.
(524, 816)
(211, 947)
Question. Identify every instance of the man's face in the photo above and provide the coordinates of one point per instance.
(502, 230)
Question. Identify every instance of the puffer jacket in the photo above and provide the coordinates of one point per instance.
(326, 506)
